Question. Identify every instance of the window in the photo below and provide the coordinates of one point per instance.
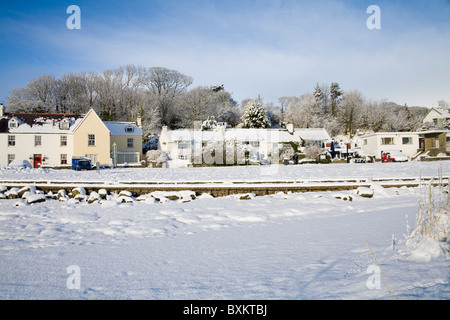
(11, 141)
(63, 158)
(64, 124)
(129, 129)
(387, 140)
(365, 142)
(63, 140)
(407, 140)
(12, 124)
(37, 141)
(182, 157)
(184, 144)
(11, 158)
(93, 157)
(315, 142)
(130, 143)
(127, 157)
(91, 140)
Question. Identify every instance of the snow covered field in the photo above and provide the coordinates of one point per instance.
(284, 246)
(230, 174)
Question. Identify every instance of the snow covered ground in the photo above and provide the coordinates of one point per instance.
(244, 174)
(283, 246)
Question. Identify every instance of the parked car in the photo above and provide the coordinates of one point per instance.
(81, 164)
(20, 164)
(393, 156)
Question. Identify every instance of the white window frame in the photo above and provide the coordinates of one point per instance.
(64, 125)
(410, 140)
(63, 141)
(91, 140)
(63, 158)
(11, 158)
(37, 140)
(184, 143)
(11, 141)
(383, 140)
(12, 124)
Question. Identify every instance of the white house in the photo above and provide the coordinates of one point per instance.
(376, 143)
(185, 146)
(438, 116)
(412, 144)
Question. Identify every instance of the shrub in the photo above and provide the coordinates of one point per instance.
(157, 156)
(433, 217)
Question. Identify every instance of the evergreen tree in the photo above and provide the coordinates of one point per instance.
(254, 115)
(335, 93)
(318, 93)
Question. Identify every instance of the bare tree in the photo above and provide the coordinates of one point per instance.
(36, 97)
(195, 105)
(166, 85)
(300, 111)
(349, 109)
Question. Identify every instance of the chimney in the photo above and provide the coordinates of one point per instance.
(2, 110)
(290, 128)
(139, 121)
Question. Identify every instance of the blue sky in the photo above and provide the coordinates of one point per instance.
(273, 48)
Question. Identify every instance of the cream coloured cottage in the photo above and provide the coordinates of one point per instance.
(53, 139)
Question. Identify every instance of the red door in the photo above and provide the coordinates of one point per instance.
(37, 161)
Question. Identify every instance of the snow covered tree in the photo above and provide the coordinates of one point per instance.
(36, 97)
(335, 93)
(254, 115)
(157, 156)
(318, 93)
(350, 110)
(209, 124)
(301, 112)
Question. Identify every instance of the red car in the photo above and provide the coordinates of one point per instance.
(393, 156)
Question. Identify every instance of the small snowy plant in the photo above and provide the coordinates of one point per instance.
(431, 232)
(313, 151)
(156, 156)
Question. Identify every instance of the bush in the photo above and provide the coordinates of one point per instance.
(433, 218)
(313, 152)
(156, 156)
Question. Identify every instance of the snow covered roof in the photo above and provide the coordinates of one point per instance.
(443, 113)
(246, 134)
(313, 134)
(196, 135)
(239, 134)
(39, 123)
(405, 133)
(123, 128)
